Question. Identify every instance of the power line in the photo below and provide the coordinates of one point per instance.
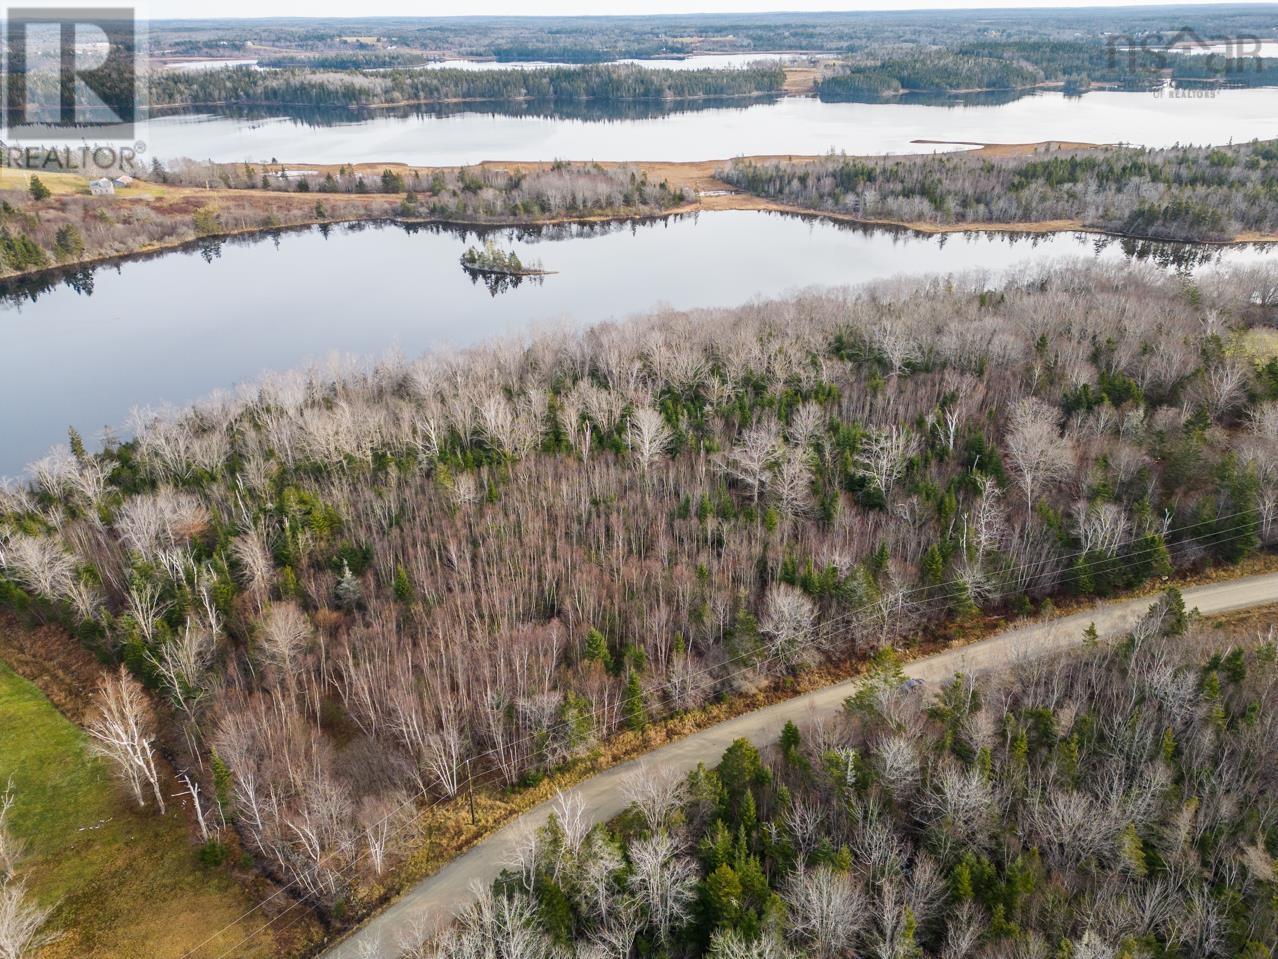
(844, 619)
(848, 618)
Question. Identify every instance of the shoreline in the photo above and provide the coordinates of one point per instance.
(1039, 228)
(182, 109)
(696, 176)
(489, 271)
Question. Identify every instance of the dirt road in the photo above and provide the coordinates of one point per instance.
(443, 894)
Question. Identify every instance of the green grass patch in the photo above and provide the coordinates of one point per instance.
(126, 882)
(1259, 345)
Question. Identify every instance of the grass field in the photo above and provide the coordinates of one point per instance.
(127, 884)
(1259, 344)
(59, 184)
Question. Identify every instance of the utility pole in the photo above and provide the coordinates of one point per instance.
(470, 789)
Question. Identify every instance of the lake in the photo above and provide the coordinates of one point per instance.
(177, 326)
(780, 126)
(703, 61)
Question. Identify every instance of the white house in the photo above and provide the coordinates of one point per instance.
(101, 187)
(123, 180)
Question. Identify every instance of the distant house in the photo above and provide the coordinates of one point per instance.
(123, 180)
(101, 187)
(1186, 40)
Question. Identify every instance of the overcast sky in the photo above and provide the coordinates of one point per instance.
(346, 8)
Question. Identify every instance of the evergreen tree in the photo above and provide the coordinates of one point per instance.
(349, 591)
(403, 586)
(392, 182)
(597, 650)
(721, 899)
(76, 442)
(633, 708)
(67, 242)
(790, 741)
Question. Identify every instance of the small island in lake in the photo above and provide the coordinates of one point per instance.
(497, 262)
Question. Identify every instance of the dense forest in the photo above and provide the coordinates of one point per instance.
(521, 193)
(40, 230)
(1019, 65)
(351, 60)
(347, 89)
(346, 587)
(1181, 193)
(597, 39)
(926, 72)
(370, 78)
(1121, 800)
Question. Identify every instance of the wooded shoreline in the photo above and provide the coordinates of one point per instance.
(690, 187)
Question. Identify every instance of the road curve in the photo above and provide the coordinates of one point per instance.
(443, 894)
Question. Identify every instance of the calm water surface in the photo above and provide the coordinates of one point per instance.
(704, 61)
(786, 125)
(175, 327)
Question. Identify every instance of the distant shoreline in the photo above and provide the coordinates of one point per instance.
(697, 177)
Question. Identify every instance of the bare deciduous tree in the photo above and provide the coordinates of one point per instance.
(181, 665)
(884, 455)
(22, 922)
(1224, 387)
(39, 563)
(805, 426)
(732, 944)
(385, 820)
(283, 634)
(253, 555)
(656, 793)
(12, 847)
(788, 622)
(649, 437)
(662, 882)
(827, 910)
(751, 459)
(792, 486)
(122, 731)
(1039, 454)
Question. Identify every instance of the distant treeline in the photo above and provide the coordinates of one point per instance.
(586, 51)
(595, 39)
(343, 60)
(1179, 193)
(928, 71)
(567, 85)
(325, 115)
(558, 190)
(39, 231)
(1023, 64)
